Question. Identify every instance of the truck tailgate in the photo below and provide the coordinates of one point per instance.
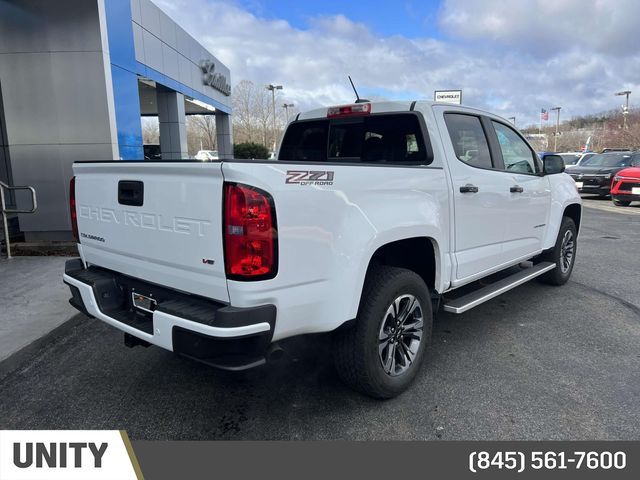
(157, 221)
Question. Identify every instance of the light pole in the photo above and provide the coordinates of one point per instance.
(286, 107)
(273, 89)
(555, 139)
(625, 109)
(513, 120)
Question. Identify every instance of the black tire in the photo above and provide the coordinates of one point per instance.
(356, 350)
(560, 275)
(621, 203)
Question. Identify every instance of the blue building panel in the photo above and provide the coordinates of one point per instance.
(127, 103)
(120, 34)
(124, 78)
(141, 69)
(169, 82)
(124, 74)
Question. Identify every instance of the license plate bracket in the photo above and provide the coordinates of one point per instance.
(143, 302)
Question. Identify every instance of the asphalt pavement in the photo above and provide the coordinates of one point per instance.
(539, 362)
(33, 302)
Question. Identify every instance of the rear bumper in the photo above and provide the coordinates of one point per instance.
(211, 332)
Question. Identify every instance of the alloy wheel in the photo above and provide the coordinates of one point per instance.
(567, 250)
(400, 334)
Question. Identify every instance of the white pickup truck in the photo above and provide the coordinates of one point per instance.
(370, 219)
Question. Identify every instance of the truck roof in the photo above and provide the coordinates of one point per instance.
(387, 107)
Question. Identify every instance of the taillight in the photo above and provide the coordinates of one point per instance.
(349, 110)
(250, 233)
(72, 209)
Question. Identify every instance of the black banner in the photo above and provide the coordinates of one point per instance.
(385, 460)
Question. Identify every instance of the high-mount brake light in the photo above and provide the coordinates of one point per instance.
(72, 209)
(349, 110)
(250, 233)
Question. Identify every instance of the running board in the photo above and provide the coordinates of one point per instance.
(473, 299)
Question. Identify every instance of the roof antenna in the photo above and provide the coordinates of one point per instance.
(358, 99)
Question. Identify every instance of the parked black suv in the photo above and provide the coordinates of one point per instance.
(594, 175)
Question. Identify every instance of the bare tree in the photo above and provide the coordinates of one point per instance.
(606, 130)
(194, 138)
(204, 127)
(263, 111)
(253, 114)
(245, 124)
(150, 130)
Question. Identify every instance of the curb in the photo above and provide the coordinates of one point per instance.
(14, 361)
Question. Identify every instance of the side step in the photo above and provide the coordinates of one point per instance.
(475, 298)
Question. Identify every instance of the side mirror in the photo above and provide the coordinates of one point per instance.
(553, 164)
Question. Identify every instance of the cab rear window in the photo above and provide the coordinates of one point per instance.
(394, 139)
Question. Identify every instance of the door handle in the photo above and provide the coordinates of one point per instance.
(468, 188)
(516, 189)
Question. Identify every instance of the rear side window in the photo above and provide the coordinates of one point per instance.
(393, 139)
(468, 139)
(372, 139)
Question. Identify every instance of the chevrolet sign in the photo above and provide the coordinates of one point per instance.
(448, 96)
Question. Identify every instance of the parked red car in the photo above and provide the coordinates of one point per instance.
(625, 187)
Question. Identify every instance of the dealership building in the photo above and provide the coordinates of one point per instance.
(76, 76)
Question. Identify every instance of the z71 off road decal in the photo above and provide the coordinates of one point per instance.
(306, 177)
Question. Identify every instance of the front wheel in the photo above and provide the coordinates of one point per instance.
(381, 354)
(563, 254)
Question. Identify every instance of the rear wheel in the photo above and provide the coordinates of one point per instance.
(563, 254)
(621, 203)
(381, 354)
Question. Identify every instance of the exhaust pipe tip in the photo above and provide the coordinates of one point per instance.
(275, 353)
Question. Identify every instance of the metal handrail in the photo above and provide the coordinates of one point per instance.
(5, 210)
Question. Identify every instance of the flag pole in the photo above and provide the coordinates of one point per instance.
(540, 127)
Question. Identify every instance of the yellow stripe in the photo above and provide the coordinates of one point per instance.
(132, 454)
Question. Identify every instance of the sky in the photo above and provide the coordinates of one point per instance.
(511, 57)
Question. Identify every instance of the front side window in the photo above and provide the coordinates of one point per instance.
(468, 139)
(516, 154)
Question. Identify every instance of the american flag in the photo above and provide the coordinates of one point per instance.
(544, 115)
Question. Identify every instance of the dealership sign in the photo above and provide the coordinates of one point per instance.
(448, 96)
(212, 79)
(68, 455)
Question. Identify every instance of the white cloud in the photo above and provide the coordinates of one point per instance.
(511, 58)
(545, 27)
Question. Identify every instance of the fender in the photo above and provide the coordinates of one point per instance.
(563, 194)
(421, 222)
